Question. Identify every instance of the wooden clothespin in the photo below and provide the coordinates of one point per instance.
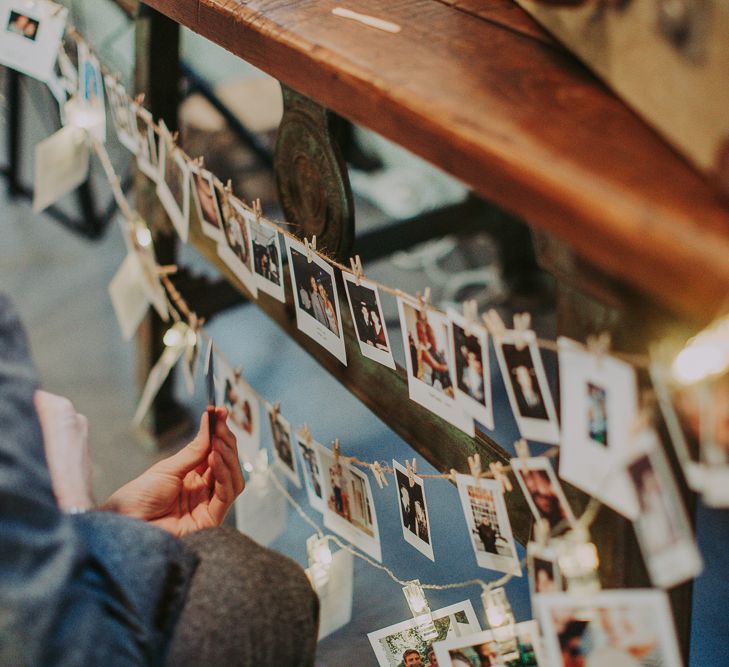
(305, 433)
(139, 99)
(452, 475)
(474, 464)
(542, 532)
(379, 474)
(310, 248)
(497, 470)
(470, 314)
(494, 323)
(522, 324)
(599, 345)
(522, 450)
(336, 450)
(237, 373)
(166, 269)
(356, 264)
(424, 299)
(257, 210)
(200, 162)
(275, 410)
(175, 136)
(411, 469)
(645, 417)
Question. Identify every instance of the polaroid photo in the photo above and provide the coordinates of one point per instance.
(369, 322)
(543, 570)
(599, 409)
(629, 628)
(413, 511)
(30, 33)
(315, 297)
(312, 470)
(90, 100)
(147, 159)
(481, 648)
(234, 248)
(678, 429)
(283, 449)
(173, 185)
(335, 597)
(125, 123)
(527, 386)
(209, 210)
(470, 350)
(261, 512)
(244, 410)
(349, 509)
(267, 257)
(429, 366)
(401, 645)
(542, 490)
(129, 296)
(488, 524)
(662, 527)
(61, 165)
(191, 357)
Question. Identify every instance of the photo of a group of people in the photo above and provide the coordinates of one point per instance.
(401, 645)
(369, 322)
(542, 490)
(283, 450)
(526, 386)
(470, 350)
(599, 408)
(413, 510)
(244, 410)
(31, 34)
(267, 259)
(662, 527)
(315, 294)
(308, 448)
(173, 185)
(430, 367)
(488, 524)
(348, 505)
(630, 628)
(234, 248)
(483, 650)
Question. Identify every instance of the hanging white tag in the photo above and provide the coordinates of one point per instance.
(129, 296)
(61, 165)
(261, 510)
(335, 598)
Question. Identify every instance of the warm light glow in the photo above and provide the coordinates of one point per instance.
(191, 337)
(497, 607)
(172, 337)
(705, 355)
(579, 562)
(420, 609)
(144, 236)
(248, 466)
(320, 560)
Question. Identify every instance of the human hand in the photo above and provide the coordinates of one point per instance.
(66, 444)
(191, 490)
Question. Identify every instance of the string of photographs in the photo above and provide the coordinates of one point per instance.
(607, 446)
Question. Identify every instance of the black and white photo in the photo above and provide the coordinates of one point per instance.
(267, 257)
(369, 322)
(413, 510)
(173, 186)
(526, 386)
(283, 447)
(315, 296)
(312, 470)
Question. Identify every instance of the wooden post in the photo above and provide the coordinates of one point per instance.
(157, 76)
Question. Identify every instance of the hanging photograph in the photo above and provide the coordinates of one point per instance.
(128, 296)
(629, 628)
(369, 322)
(173, 186)
(470, 350)
(481, 648)
(488, 524)
(542, 490)
(125, 123)
(315, 297)
(349, 509)
(283, 448)
(401, 645)
(413, 511)
(190, 360)
(599, 408)
(30, 36)
(543, 570)
(147, 143)
(91, 91)
(526, 386)
(312, 470)
(428, 362)
(662, 527)
(244, 410)
(209, 211)
(267, 259)
(234, 248)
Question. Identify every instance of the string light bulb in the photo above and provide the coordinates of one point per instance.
(579, 562)
(175, 335)
(705, 355)
(143, 234)
(420, 609)
(500, 619)
(320, 560)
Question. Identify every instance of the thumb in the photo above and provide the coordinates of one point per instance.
(195, 453)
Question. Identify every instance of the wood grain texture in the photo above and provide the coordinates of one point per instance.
(522, 123)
